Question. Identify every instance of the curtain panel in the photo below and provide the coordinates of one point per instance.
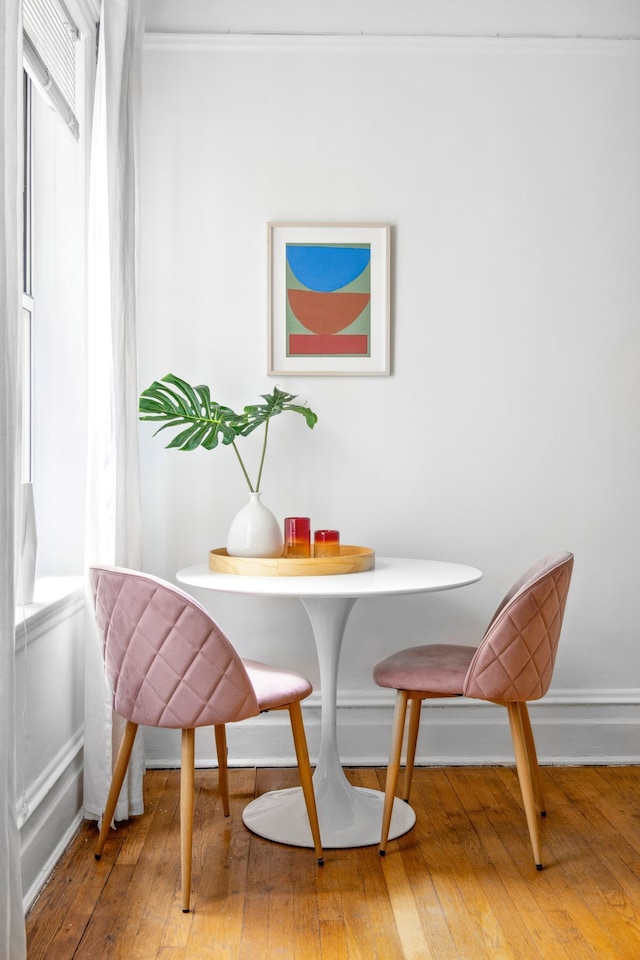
(113, 497)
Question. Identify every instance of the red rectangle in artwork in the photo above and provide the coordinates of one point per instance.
(305, 345)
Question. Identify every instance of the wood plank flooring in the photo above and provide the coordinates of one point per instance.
(460, 886)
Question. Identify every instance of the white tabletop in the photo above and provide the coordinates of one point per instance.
(391, 575)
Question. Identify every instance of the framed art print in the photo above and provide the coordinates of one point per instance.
(329, 299)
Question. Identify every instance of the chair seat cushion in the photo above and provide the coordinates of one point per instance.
(275, 687)
(438, 668)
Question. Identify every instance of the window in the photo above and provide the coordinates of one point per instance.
(53, 315)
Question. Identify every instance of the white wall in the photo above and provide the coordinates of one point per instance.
(508, 171)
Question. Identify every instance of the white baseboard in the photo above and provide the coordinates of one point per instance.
(592, 727)
(48, 817)
(47, 867)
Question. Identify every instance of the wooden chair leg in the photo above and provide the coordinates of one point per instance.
(533, 758)
(117, 779)
(415, 709)
(393, 767)
(186, 812)
(525, 776)
(304, 767)
(223, 770)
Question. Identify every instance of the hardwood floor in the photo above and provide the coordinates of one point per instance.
(460, 886)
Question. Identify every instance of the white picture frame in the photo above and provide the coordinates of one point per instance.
(328, 299)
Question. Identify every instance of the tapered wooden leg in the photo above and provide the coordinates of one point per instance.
(302, 754)
(393, 767)
(117, 779)
(415, 709)
(525, 776)
(533, 758)
(186, 812)
(223, 770)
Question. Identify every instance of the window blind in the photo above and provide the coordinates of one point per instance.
(50, 39)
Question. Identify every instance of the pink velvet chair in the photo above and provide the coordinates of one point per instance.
(513, 664)
(170, 665)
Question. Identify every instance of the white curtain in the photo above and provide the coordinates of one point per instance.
(12, 930)
(114, 515)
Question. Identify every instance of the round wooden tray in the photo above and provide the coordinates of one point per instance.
(350, 560)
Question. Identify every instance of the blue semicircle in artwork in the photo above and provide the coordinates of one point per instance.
(326, 268)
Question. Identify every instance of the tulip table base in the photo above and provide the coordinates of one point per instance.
(349, 816)
(355, 821)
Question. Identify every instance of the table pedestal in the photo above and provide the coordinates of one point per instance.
(349, 816)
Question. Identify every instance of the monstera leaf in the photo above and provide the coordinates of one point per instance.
(181, 405)
(205, 423)
(274, 403)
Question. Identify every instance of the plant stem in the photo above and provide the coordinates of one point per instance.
(246, 475)
(264, 450)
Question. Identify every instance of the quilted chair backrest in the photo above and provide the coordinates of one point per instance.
(515, 660)
(169, 663)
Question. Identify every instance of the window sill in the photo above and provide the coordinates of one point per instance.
(54, 598)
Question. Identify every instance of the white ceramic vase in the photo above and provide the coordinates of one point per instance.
(28, 546)
(254, 532)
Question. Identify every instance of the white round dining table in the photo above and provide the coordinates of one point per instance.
(349, 816)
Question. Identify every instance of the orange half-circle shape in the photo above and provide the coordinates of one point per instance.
(326, 313)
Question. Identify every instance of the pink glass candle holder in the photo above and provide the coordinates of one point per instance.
(326, 543)
(297, 537)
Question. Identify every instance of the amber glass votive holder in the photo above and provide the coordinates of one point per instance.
(326, 543)
(297, 537)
